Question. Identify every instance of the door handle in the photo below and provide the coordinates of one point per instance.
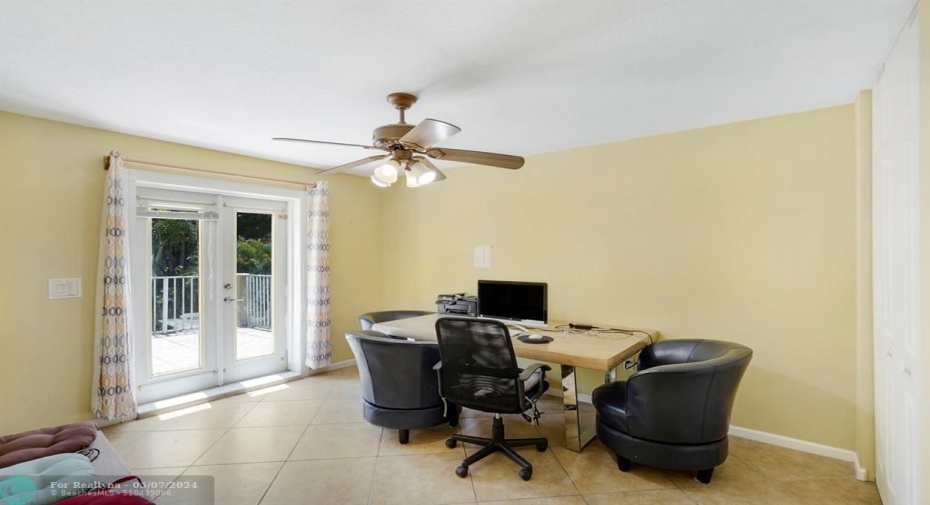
(228, 299)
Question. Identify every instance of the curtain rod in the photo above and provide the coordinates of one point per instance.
(106, 166)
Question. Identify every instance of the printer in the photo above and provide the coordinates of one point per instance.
(459, 304)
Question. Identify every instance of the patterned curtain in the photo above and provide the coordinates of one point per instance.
(112, 396)
(319, 342)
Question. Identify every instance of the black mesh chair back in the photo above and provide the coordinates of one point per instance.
(479, 369)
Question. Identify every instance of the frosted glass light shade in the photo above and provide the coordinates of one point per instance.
(387, 173)
(421, 173)
(378, 182)
(411, 180)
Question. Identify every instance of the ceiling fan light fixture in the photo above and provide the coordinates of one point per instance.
(380, 183)
(421, 173)
(437, 174)
(411, 179)
(387, 172)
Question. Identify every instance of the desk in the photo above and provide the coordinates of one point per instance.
(602, 353)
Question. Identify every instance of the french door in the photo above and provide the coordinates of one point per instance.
(210, 272)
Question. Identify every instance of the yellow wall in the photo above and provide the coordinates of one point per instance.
(742, 232)
(865, 383)
(51, 186)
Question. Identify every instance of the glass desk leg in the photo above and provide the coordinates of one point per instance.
(580, 418)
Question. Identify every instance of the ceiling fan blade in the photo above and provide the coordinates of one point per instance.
(477, 157)
(324, 142)
(358, 163)
(439, 175)
(429, 132)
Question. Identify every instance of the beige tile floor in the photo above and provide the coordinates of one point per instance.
(306, 443)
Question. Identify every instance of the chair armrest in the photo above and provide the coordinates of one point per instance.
(526, 374)
(530, 370)
(437, 366)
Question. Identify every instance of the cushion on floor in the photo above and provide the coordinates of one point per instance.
(45, 480)
(35, 444)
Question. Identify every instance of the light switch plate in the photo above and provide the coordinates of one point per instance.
(64, 288)
(482, 256)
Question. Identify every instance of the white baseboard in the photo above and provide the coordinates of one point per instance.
(803, 446)
(861, 473)
(329, 368)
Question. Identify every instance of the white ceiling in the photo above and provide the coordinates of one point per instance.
(518, 76)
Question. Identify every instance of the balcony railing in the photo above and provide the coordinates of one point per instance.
(172, 297)
(255, 307)
(176, 302)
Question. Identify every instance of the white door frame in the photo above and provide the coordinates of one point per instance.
(295, 306)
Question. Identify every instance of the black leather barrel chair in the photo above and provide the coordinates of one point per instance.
(674, 412)
(368, 319)
(400, 389)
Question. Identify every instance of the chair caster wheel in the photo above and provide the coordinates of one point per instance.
(462, 471)
(542, 447)
(526, 473)
(451, 443)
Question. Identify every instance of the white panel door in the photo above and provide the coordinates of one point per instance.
(896, 295)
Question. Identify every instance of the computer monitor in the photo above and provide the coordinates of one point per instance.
(520, 302)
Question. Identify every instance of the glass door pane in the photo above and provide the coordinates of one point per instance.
(254, 257)
(176, 342)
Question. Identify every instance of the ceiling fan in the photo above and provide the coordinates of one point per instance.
(410, 147)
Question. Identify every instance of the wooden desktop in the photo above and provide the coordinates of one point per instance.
(602, 352)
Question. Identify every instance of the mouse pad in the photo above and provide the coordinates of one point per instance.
(526, 339)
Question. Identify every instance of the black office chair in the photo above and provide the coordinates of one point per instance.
(674, 412)
(400, 389)
(368, 319)
(479, 370)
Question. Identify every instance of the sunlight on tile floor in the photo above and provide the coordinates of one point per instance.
(306, 443)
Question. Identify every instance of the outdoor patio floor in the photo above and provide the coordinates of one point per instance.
(180, 351)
